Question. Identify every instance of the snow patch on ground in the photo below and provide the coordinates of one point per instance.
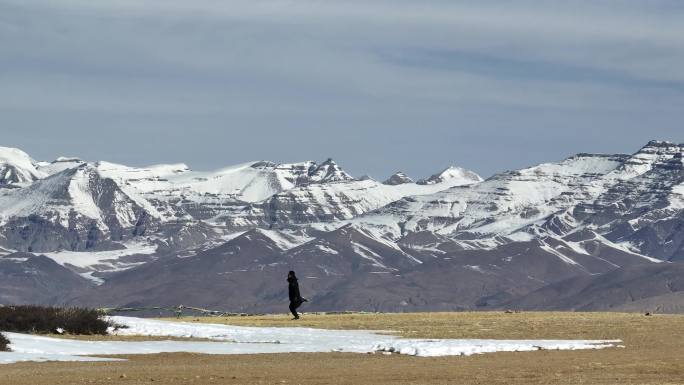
(255, 340)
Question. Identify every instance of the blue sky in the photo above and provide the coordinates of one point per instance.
(378, 85)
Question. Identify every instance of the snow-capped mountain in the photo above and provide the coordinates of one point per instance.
(17, 168)
(398, 178)
(73, 205)
(448, 241)
(451, 173)
(504, 203)
(75, 209)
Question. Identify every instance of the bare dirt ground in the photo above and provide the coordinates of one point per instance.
(654, 354)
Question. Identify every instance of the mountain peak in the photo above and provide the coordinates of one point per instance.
(452, 173)
(68, 159)
(328, 171)
(398, 178)
(264, 164)
(12, 154)
(661, 143)
(653, 155)
(16, 167)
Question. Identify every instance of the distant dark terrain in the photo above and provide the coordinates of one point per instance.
(591, 232)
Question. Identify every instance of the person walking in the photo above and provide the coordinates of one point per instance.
(296, 299)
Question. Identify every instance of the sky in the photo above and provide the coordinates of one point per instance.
(379, 86)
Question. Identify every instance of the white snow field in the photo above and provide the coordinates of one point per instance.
(254, 340)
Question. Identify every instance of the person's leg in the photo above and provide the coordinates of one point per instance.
(296, 306)
(293, 310)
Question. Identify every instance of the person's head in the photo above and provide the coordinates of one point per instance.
(291, 274)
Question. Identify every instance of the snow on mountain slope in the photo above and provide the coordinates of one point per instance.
(398, 178)
(141, 177)
(173, 192)
(348, 199)
(286, 239)
(247, 182)
(358, 243)
(224, 195)
(655, 152)
(677, 198)
(60, 164)
(643, 212)
(69, 204)
(503, 203)
(584, 215)
(96, 207)
(328, 171)
(250, 182)
(90, 263)
(44, 196)
(453, 174)
(74, 209)
(17, 167)
(593, 211)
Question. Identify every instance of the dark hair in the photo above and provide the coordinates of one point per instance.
(291, 273)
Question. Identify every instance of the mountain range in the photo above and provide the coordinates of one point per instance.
(590, 232)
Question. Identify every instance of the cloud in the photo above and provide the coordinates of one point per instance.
(381, 67)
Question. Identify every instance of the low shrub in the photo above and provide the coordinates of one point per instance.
(42, 319)
(4, 342)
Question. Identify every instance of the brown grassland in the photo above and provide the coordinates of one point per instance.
(654, 354)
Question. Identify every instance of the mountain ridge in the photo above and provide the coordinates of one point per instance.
(451, 241)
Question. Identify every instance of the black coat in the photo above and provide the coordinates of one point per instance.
(293, 290)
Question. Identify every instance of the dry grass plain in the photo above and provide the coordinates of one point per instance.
(654, 354)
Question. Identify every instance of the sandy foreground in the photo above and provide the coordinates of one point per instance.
(653, 354)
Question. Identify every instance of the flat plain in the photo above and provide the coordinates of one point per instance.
(653, 354)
